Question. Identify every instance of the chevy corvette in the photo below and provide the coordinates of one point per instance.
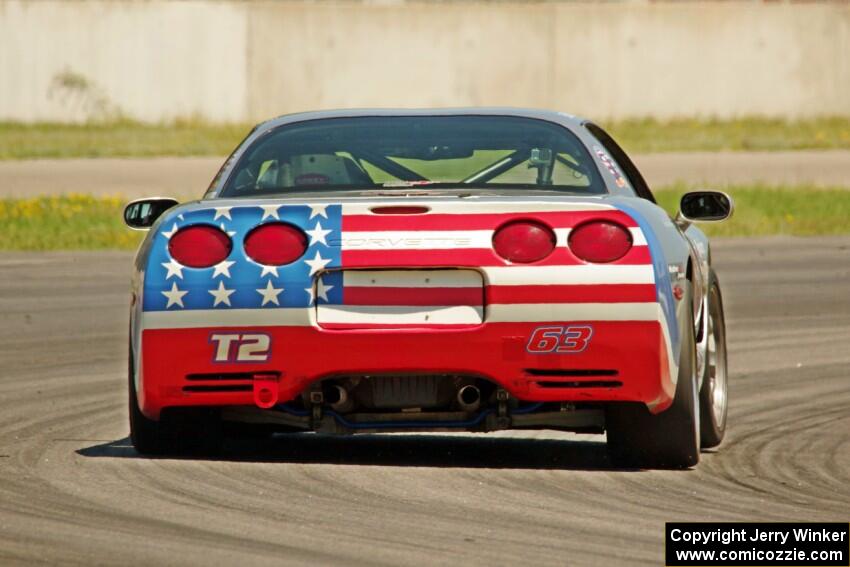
(428, 270)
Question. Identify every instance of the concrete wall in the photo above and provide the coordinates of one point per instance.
(244, 61)
(70, 60)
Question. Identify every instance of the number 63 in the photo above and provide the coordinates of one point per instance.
(559, 339)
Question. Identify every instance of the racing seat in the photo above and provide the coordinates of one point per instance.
(322, 169)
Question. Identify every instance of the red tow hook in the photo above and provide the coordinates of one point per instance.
(265, 389)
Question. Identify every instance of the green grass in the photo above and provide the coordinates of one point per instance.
(71, 222)
(118, 139)
(198, 138)
(763, 210)
(755, 134)
(81, 222)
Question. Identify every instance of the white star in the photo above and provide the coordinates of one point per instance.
(317, 263)
(318, 234)
(227, 232)
(323, 289)
(312, 297)
(270, 211)
(180, 216)
(170, 233)
(174, 269)
(175, 296)
(222, 269)
(318, 211)
(270, 294)
(222, 212)
(221, 294)
(269, 270)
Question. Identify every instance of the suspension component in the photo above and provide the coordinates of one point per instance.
(503, 420)
(317, 398)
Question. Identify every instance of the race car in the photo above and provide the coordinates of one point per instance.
(483, 269)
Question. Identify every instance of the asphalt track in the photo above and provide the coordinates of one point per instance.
(72, 491)
(187, 178)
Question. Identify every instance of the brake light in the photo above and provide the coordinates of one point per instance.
(399, 210)
(275, 244)
(600, 241)
(524, 242)
(199, 246)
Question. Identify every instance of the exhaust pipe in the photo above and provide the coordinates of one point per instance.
(469, 398)
(337, 397)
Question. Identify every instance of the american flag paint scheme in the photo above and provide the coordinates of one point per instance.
(416, 300)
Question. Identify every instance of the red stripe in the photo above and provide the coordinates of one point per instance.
(437, 296)
(467, 257)
(601, 293)
(475, 221)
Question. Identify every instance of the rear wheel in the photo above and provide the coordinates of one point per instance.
(145, 433)
(670, 439)
(713, 396)
(179, 430)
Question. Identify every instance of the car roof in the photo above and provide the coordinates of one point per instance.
(563, 118)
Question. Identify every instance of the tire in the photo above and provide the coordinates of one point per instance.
(145, 433)
(670, 439)
(179, 430)
(713, 395)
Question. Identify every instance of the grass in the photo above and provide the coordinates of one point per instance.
(118, 139)
(764, 210)
(82, 222)
(753, 134)
(127, 138)
(70, 222)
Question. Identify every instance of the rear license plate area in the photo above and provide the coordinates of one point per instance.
(381, 299)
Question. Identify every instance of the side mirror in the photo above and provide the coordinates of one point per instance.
(704, 206)
(142, 213)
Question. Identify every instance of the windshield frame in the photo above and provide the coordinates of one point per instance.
(223, 186)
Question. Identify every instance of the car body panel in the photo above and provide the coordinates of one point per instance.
(629, 305)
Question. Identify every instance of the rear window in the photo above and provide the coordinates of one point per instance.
(466, 152)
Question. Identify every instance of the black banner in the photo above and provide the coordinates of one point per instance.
(744, 544)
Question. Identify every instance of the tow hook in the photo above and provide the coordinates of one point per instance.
(265, 389)
(503, 420)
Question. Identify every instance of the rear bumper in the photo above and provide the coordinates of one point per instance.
(633, 354)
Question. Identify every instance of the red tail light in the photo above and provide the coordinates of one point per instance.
(524, 242)
(199, 246)
(600, 241)
(275, 244)
(399, 210)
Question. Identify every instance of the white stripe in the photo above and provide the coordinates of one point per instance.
(474, 205)
(412, 278)
(441, 239)
(497, 313)
(401, 315)
(417, 239)
(572, 312)
(582, 274)
(202, 318)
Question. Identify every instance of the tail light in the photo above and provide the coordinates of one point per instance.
(199, 246)
(275, 244)
(399, 210)
(600, 241)
(524, 242)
